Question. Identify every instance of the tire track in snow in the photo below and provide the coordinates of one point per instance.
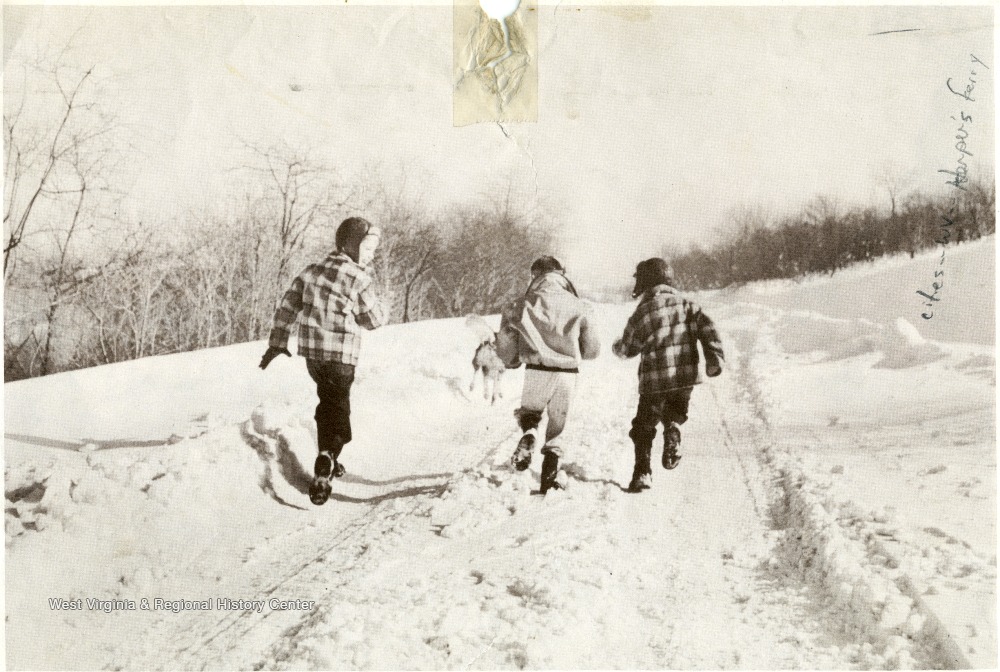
(237, 626)
(354, 538)
(877, 612)
(752, 485)
(558, 578)
(587, 578)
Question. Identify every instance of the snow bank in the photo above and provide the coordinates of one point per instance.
(900, 344)
(431, 525)
(886, 289)
(834, 543)
(878, 605)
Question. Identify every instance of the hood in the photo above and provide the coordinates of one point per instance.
(552, 281)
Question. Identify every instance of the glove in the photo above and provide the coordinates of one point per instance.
(271, 353)
(619, 349)
(506, 345)
(712, 370)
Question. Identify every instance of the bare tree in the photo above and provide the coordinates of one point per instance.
(822, 214)
(741, 225)
(412, 250)
(57, 150)
(295, 196)
(890, 179)
(62, 148)
(487, 259)
(128, 309)
(979, 206)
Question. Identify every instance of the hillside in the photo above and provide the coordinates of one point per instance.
(835, 507)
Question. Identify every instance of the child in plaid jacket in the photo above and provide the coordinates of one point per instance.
(665, 328)
(332, 301)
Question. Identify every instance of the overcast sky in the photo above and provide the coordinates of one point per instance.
(652, 122)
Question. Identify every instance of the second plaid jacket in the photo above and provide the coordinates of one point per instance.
(665, 329)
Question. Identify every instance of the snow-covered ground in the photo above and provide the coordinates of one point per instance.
(835, 507)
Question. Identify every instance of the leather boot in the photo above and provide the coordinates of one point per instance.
(671, 441)
(642, 475)
(521, 458)
(328, 463)
(550, 467)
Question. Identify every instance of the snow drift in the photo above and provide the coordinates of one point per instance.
(835, 508)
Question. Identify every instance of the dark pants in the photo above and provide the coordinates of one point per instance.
(528, 420)
(665, 407)
(333, 414)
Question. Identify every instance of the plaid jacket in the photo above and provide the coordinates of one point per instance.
(665, 328)
(330, 300)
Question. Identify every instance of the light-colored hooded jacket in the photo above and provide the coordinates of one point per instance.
(548, 327)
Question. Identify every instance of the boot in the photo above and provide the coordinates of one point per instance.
(550, 467)
(327, 465)
(642, 476)
(640, 481)
(671, 441)
(324, 465)
(319, 491)
(522, 455)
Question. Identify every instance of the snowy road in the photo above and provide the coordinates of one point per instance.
(776, 543)
(466, 568)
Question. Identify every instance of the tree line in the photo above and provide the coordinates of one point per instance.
(85, 286)
(823, 238)
(218, 281)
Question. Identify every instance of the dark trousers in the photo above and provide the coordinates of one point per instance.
(333, 414)
(654, 409)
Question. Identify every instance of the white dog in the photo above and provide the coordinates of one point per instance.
(486, 359)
